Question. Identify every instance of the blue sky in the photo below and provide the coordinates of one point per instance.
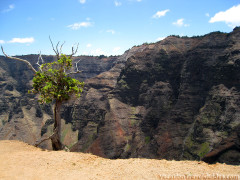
(108, 27)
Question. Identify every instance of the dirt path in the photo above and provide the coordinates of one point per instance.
(21, 161)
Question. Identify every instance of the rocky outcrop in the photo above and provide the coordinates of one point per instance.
(174, 99)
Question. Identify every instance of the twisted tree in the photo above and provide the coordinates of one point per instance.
(54, 84)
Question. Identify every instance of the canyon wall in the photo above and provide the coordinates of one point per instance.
(178, 99)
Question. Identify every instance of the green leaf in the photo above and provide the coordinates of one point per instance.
(52, 82)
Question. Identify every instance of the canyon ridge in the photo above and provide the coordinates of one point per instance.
(178, 98)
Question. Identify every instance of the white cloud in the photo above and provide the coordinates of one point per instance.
(10, 8)
(160, 14)
(111, 31)
(82, 1)
(231, 16)
(180, 23)
(76, 26)
(89, 45)
(116, 49)
(97, 52)
(22, 40)
(160, 38)
(117, 3)
(207, 14)
(2, 41)
(100, 51)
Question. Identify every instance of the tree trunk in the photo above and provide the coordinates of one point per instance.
(56, 138)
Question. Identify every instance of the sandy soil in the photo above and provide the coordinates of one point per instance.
(22, 161)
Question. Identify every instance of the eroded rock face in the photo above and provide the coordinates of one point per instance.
(174, 99)
(21, 116)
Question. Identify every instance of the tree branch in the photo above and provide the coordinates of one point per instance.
(40, 58)
(76, 72)
(58, 50)
(61, 47)
(45, 139)
(76, 64)
(55, 50)
(50, 137)
(74, 51)
(19, 59)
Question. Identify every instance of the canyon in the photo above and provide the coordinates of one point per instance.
(178, 98)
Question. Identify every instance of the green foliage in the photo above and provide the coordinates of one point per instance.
(53, 82)
(4, 122)
(204, 149)
(196, 148)
(102, 56)
(210, 113)
(147, 139)
(127, 147)
(123, 84)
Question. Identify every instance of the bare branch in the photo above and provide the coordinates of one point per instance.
(52, 44)
(61, 47)
(74, 51)
(40, 58)
(19, 59)
(45, 139)
(76, 72)
(76, 48)
(76, 65)
(55, 50)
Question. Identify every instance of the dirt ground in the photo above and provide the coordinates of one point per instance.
(19, 160)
